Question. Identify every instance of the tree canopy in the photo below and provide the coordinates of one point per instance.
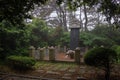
(110, 8)
(16, 10)
(101, 35)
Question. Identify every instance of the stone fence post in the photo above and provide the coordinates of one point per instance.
(58, 48)
(41, 53)
(65, 49)
(52, 53)
(77, 55)
(32, 51)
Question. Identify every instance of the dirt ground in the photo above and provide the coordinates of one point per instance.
(70, 72)
(54, 71)
(61, 57)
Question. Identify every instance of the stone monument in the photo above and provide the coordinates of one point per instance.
(74, 37)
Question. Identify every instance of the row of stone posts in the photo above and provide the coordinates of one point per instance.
(51, 53)
(40, 52)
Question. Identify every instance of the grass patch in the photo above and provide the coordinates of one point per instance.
(41, 64)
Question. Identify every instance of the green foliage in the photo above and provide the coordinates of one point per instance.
(117, 49)
(108, 32)
(20, 62)
(100, 57)
(103, 35)
(65, 39)
(110, 8)
(55, 36)
(94, 40)
(21, 52)
(89, 38)
(43, 35)
(38, 33)
(15, 11)
(12, 38)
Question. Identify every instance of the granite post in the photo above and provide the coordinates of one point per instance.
(52, 53)
(32, 51)
(77, 55)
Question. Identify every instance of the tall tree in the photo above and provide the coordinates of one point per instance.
(16, 10)
(110, 8)
(86, 18)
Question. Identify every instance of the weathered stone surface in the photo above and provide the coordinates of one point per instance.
(74, 38)
(48, 79)
(55, 69)
(66, 78)
(63, 69)
(51, 72)
(41, 71)
(71, 70)
(81, 78)
(67, 74)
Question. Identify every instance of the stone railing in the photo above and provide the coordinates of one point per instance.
(50, 52)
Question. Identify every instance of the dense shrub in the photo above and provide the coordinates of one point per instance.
(117, 49)
(21, 52)
(102, 58)
(20, 62)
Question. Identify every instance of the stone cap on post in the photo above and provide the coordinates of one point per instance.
(77, 48)
(38, 48)
(31, 47)
(51, 47)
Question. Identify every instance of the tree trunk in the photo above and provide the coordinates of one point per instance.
(64, 20)
(86, 18)
(81, 24)
(107, 72)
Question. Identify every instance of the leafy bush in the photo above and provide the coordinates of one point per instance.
(20, 62)
(101, 58)
(117, 49)
(21, 52)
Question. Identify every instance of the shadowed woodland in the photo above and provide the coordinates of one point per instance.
(37, 42)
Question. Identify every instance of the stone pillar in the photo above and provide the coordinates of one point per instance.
(77, 55)
(42, 51)
(32, 51)
(74, 38)
(38, 50)
(52, 53)
(58, 48)
(47, 51)
(65, 49)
